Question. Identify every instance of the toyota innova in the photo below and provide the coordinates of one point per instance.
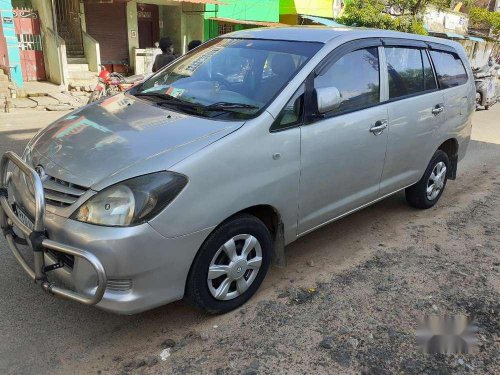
(191, 183)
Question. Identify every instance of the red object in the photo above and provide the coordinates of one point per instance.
(105, 75)
(27, 28)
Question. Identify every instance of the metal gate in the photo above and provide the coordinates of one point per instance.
(27, 26)
(69, 26)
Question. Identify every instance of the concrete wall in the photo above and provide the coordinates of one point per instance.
(171, 18)
(132, 29)
(192, 28)
(44, 9)
(446, 21)
(92, 52)
(54, 48)
(477, 52)
(54, 53)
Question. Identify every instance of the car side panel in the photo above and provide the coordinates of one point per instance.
(459, 107)
(414, 132)
(249, 167)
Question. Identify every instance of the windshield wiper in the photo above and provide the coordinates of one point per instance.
(229, 105)
(170, 100)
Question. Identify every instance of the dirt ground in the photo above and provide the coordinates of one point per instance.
(349, 300)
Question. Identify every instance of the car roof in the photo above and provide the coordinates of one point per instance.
(324, 34)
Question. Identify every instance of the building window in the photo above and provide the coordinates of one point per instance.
(225, 28)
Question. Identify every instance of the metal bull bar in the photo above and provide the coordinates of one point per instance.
(37, 239)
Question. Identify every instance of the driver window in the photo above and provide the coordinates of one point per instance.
(293, 112)
(356, 76)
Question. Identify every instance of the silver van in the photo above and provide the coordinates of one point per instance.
(190, 184)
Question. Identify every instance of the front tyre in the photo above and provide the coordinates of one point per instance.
(230, 265)
(426, 192)
(95, 96)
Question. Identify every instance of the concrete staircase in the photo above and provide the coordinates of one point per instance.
(79, 74)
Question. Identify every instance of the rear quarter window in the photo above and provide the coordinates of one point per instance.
(449, 69)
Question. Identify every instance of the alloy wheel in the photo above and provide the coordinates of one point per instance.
(234, 267)
(436, 181)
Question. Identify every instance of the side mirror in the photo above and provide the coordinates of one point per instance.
(328, 99)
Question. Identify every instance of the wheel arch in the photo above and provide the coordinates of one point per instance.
(450, 147)
(271, 218)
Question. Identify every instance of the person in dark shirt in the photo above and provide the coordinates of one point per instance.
(167, 55)
(193, 44)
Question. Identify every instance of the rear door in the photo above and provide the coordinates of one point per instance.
(416, 110)
(342, 152)
(452, 79)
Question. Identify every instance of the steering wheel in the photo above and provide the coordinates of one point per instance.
(219, 77)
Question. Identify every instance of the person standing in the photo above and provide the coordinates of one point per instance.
(166, 56)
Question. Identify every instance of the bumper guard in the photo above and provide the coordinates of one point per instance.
(37, 239)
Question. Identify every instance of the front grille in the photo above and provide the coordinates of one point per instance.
(61, 193)
(58, 192)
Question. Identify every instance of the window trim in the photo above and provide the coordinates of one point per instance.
(311, 116)
(399, 42)
(426, 51)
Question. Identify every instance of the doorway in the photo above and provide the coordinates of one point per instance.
(69, 26)
(148, 25)
(27, 28)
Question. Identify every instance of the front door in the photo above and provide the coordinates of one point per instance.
(27, 26)
(342, 153)
(148, 25)
(69, 26)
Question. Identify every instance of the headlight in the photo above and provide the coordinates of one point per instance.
(133, 201)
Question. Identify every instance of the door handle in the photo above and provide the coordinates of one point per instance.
(437, 109)
(379, 127)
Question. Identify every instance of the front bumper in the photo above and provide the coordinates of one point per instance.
(123, 270)
(37, 240)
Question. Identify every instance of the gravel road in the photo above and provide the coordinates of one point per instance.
(348, 301)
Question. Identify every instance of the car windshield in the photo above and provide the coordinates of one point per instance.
(228, 78)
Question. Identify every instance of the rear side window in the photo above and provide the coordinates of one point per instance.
(356, 76)
(405, 70)
(449, 69)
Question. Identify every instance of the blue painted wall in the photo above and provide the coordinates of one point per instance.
(7, 20)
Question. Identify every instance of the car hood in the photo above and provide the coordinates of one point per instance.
(105, 139)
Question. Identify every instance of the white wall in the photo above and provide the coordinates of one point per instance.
(446, 21)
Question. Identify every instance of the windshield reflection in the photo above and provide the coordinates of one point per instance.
(228, 78)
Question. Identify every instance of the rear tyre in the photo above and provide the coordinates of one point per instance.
(426, 192)
(230, 265)
(96, 95)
